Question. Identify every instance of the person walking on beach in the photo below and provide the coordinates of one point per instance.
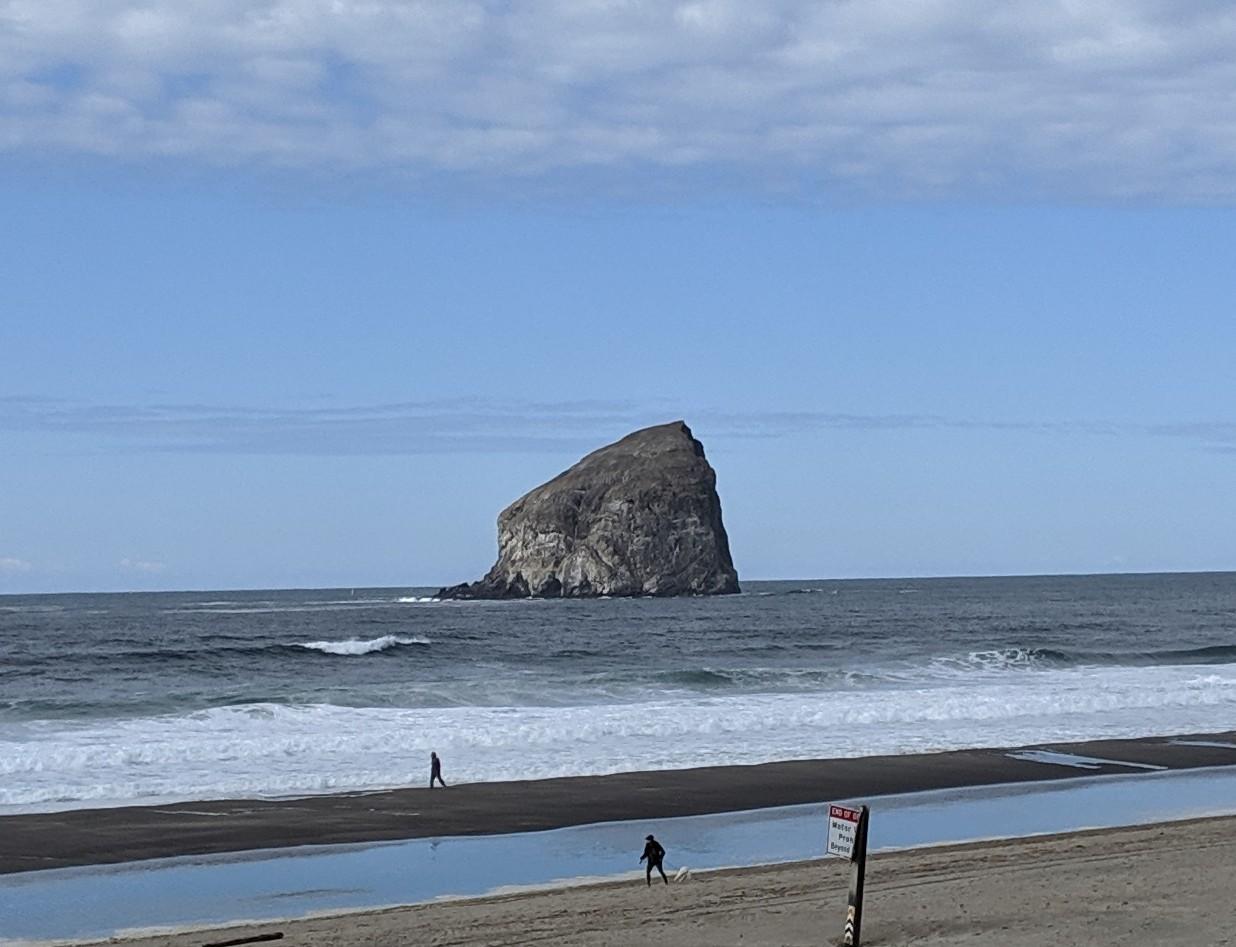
(435, 770)
(654, 854)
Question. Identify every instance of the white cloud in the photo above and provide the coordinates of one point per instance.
(13, 564)
(142, 565)
(1021, 99)
(480, 425)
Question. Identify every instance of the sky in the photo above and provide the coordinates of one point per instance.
(302, 293)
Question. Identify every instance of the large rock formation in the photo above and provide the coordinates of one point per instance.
(639, 517)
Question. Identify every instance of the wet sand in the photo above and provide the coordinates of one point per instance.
(1164, 885)
(103, 836)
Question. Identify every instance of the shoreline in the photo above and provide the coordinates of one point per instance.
(82, 837)
(1158, 884)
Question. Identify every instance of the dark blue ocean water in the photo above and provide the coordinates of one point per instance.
(109, 698)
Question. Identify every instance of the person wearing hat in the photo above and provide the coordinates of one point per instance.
(653, 854)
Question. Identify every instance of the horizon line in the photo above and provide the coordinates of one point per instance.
(868, 578)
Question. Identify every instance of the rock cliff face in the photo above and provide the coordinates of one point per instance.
(639, 517)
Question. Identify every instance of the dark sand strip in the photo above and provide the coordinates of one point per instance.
(104, 836)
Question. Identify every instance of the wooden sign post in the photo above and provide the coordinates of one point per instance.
(847, 838)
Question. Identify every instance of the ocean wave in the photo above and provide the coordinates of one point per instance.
(226, 647)
(750, 680)
(1212, 654)
(416, 599)
(354, 646)
(575, 653)
(1030, 658)
(701, 677)
(268, 749)
(1009, 659)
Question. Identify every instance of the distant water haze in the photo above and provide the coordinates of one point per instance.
(108, 699)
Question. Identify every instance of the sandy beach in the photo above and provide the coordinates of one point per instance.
(1164, 883)
(107, 836)
(1157, 885)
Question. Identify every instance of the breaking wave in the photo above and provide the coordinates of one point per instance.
(266, 749)
(354, 646)
(997, 659)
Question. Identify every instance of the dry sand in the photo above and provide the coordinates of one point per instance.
(1157, 886)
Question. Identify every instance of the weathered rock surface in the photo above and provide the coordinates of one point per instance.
(639, 517)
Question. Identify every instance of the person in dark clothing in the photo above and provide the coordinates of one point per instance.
(653, 854)
(435, 770)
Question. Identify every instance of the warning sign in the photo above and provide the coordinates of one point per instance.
(842, 831)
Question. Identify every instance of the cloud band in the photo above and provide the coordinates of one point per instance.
(1105, 99)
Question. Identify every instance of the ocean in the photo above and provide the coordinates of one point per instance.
(152, 697)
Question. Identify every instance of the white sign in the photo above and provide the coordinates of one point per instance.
(842, 831)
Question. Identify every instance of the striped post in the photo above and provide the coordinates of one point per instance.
(858, 872)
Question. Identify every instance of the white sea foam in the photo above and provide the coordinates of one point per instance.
(274, 749)
(354, 646)
(416, 599)
(994, 661)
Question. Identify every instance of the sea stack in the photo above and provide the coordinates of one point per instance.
(638, 517)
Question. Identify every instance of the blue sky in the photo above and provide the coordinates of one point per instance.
(302, 293)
